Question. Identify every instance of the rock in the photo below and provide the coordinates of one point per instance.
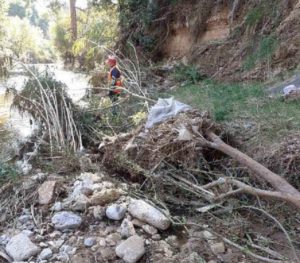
(105, 197)
(80, 203)
(55, 234)
(43, 245)
(90, 241)
(45, 254)
(102, 242)
(218, 248)
(156, 237)
(131, 250)
(39, 177)
(27, 233)
(66, 220)
(4, 239)
(147, 213)
(116, 212)
(57, 207)
(99, 212)
(80, 187)
(21, 248)
(207, 235)
(68, 250)
(149, 230)
(56, 245)
(93, 177)
(63, 257)
(46, 192)
(127, 229)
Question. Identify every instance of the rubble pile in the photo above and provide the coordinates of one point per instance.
(94, 221)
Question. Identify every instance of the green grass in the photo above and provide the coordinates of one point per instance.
(274, 117)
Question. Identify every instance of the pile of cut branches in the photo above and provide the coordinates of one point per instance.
(182, 142)
(183, 165)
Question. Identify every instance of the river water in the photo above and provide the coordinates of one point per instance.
(77, 84)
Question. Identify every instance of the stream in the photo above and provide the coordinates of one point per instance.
(16, 128)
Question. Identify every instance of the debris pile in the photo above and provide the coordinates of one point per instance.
(109, 227)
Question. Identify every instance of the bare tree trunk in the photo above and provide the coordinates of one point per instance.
(73, 19)
(262, 173)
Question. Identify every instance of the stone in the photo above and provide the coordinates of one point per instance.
(68, 250)
(149, 214)
(93, 177)
(116, 212)
(149, 229)
(28, 233)
(127, 229)
(105, 197)
(21, 248)
(132, 249)
(90, 241)
(45, 254)
(57, 207)
(43, 245)
(80, 187)
(207, 235)
(4, 239)
(98, 212)
(80, 203)
(63, 257)
(218, 248)
(46, 192)
(156, 237)
(66, 220)
(55, 234)
(56, 244)
(39, 177)
(102, 242)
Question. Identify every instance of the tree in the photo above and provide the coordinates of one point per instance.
(73, 19)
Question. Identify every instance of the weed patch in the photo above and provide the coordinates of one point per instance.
(248, 102)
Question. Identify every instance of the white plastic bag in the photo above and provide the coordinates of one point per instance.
(165, 109)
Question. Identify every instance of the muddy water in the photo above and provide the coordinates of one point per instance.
(76, 83)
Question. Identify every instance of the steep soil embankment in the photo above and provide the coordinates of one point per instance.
(230, 39)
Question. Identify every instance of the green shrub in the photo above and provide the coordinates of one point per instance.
(265, 51)
(189, 74)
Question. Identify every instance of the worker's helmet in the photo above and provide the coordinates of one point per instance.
(111, 61)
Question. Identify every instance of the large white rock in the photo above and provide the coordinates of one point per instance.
(149, 214)
(116, 212)
(131, 250)
(66, 220)
(21, 248)
(46, 192)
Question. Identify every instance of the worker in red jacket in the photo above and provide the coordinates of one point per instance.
(114, 80)
(114, 77)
